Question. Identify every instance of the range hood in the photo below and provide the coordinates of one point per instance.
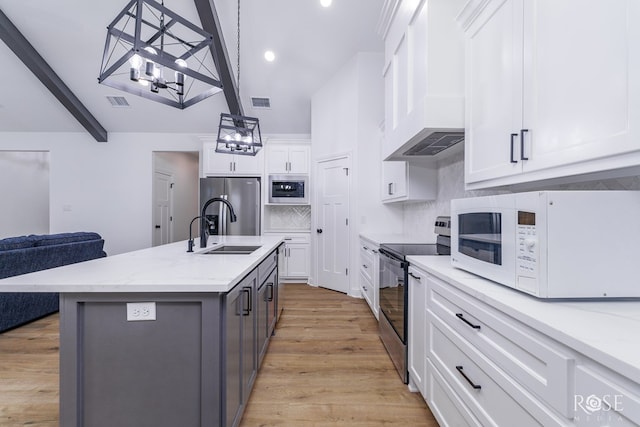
(430, 144)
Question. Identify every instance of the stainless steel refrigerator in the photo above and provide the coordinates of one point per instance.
(244, 196)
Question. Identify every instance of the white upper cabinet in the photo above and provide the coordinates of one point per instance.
(284, 158)
(553, 89)
(405, 182)
(221, 164)
(423, 69)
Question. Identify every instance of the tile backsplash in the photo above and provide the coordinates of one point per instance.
(421, 216)
(287, 217)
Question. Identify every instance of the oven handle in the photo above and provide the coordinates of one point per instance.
(391, 259)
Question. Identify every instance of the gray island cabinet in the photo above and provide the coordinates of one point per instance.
(175, 347)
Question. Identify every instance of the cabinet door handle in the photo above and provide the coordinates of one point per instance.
(230, 166)
(522, 132)
(270, 287)
(475, 386)
(246, 311)
(365, 288)
(418, 278)
(389, 190)
(513, 137)
(461, 317)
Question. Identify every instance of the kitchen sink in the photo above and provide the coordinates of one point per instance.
(231, 250)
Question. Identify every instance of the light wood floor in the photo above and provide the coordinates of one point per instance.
(325, 366)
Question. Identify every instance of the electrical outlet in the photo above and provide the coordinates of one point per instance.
(141, 311)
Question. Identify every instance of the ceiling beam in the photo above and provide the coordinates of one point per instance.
(14, 39)
(211, 24)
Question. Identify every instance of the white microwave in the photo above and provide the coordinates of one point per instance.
(552, 244)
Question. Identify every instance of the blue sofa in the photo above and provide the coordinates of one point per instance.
(26, 254)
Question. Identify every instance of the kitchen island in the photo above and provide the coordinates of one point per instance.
(161, 337)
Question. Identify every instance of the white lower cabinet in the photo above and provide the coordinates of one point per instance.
(482, 367)
(294, 258)
(369, 277)
(603, 397)
(418, 334)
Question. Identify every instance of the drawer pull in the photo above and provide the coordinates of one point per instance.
(418, 278)
(461, 317)
(475, 386)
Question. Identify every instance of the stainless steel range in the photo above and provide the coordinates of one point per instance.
(394, 272)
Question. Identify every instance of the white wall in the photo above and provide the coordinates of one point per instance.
(24, 193)
(346, 114)
(102, 187)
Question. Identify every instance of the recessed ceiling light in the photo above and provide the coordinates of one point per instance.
(269, 56)
(325, 3)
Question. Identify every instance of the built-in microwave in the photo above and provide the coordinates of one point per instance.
(551, 244)
(292, 189)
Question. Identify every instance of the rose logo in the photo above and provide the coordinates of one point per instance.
(593, 404)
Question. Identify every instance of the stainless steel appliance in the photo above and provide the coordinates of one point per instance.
(291, 189)
(551, 244)
(243, 194)
(394, 277)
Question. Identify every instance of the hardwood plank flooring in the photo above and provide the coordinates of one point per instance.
(325, 366)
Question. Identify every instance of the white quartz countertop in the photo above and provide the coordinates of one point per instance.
(382, 238)
(605, 331)
(166, 268)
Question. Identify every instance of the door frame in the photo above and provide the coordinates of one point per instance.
(153, 201)
(351, 240)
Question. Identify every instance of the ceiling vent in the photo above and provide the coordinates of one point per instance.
(434, 143)
(264, 103)
(118, 101)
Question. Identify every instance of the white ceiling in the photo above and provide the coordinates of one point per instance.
(311, 43)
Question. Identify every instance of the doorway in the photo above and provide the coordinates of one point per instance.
(176, 176)
(333, 188)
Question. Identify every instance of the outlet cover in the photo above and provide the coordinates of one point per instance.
(138, 311)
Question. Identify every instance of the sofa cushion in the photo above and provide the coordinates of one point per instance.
(61, 238)
(21, 242)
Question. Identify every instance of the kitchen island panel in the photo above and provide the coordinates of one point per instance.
(111, 367)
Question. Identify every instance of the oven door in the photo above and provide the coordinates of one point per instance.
(393, 292)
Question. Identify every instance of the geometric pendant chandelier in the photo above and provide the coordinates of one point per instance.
(237, 133)
(154, 53)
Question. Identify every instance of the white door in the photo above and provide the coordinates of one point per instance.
(494, 92)
(299, 159)
(333, 187)
(298, 260)
(161, 208)
(581, 87)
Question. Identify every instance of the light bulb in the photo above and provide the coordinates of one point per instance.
(181, 63)
(151, 50)
(135, 61)
(227, 138)
(237, 136)
(143, 82)
(269, 56)
(325, 3)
